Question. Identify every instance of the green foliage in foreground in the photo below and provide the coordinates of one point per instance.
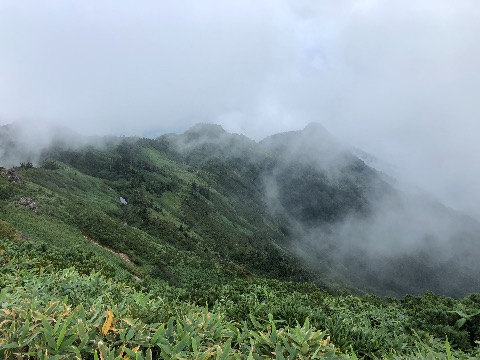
(62, 314)
(191, 268)
(52, 313)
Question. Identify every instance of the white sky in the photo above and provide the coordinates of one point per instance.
(399, 79)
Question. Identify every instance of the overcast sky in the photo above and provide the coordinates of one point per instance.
(399, 79)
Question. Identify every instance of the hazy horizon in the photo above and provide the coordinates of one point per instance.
(397, 80)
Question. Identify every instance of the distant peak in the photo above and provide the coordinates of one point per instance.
(315, 127)
(208, 129)
(204, 131)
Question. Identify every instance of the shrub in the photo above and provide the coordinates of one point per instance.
(7, 231)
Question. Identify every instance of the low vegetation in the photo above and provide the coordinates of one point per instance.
(189, 265)
(50, 312)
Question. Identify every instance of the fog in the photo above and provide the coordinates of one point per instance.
(384, 235)
(396, 79)
(30, 141)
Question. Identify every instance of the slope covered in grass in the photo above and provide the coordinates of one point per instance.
(49, 311)
(204, 259)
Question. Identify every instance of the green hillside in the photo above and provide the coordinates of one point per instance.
(205, 245)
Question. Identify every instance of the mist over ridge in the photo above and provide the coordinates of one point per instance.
(396, 80)
(240, 179)
(340, 213)
(336, 213)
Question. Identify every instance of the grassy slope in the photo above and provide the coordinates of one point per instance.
(50, 312)
(203, 245)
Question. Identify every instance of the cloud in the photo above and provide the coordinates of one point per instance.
(398, 79)
(133, 66)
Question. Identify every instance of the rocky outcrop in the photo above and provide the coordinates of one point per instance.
(28, 203)
(11, 175)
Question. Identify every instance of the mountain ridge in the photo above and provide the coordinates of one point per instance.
(225, 248)
(294, 196)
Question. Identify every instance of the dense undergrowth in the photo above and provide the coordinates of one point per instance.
(48, 311)
(192, 267)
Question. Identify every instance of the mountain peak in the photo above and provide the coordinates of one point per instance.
(317, 131)
(314, 126)
(313, 139)
(210, 130)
